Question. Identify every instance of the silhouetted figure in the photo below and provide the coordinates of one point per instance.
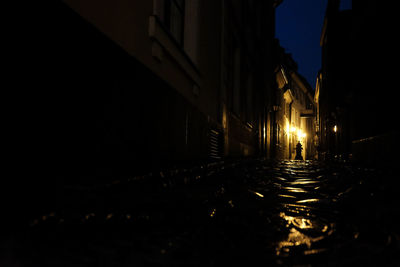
(299, 148)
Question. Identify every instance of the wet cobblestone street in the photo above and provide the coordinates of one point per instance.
(290, 213)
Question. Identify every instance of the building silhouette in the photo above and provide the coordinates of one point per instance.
(355, 113)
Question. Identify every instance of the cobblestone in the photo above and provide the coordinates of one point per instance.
(240, 213)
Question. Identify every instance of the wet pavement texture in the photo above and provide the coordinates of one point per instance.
(287, 213)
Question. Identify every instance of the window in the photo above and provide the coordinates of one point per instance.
(170, 36)
(180, 20)
(174, 18)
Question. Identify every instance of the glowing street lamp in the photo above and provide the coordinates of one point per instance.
(335, 128)
(301, 134)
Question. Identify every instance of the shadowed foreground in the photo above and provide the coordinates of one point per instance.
(236, 213)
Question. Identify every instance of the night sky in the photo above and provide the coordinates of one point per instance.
(298, 27)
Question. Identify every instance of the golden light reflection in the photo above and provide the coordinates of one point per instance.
(298, 222)
(297, 207)
(258, 194)
(294, 239)
(212, 213)
(311, 200)
(297, 238)
(304, 181)
(314, 251)
(295, 190)
(287, 196)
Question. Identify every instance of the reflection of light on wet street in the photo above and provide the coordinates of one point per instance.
(295, 208)
(289, 213)
(308, 200)
(302, 218)
(256, 193)
(303, 182)
(302, 232)
(212, 213)
(287, 196)
(294, 189)
(296, 238)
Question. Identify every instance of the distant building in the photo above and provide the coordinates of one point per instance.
(294, 112)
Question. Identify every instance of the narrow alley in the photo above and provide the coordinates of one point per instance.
(241, 213)
(200, 133)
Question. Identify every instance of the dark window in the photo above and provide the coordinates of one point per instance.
(174, 18)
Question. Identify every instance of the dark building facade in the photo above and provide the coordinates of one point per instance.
(247, 80)
(355, 110)
(123, 86)
(107, 89)
(334, 82)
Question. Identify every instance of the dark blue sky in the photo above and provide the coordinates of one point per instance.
(298, 27)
